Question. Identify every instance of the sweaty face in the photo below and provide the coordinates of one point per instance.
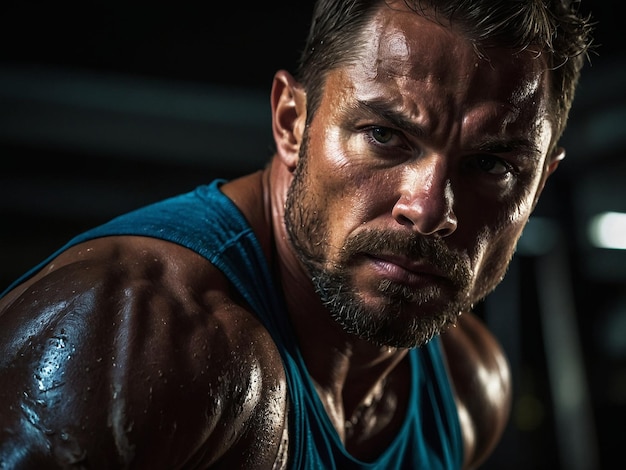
(416, 177)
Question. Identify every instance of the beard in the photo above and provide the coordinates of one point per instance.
(405, 316)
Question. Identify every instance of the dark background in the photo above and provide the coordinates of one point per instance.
(106, 106)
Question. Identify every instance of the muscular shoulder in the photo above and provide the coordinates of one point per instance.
(133, 349)
(482, 383)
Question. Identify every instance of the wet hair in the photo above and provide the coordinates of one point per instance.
(553, 28)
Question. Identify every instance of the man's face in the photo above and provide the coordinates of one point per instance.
(416, 177)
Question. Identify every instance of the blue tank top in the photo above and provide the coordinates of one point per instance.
(207, 222)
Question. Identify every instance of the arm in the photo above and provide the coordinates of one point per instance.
(482, 383)
(134, 353)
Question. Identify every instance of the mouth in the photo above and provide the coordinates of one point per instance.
(402, 270)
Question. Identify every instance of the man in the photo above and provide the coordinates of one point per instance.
(317, 313)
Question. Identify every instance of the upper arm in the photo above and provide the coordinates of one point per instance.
(482, 383)
(110, 365)
(61, 364)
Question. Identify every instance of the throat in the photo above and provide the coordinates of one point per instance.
(365, 417)
(368, 427)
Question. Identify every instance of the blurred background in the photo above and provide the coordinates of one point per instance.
(107, 106)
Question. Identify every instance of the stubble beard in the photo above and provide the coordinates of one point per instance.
(406, 317)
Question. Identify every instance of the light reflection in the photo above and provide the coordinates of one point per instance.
(608, 230)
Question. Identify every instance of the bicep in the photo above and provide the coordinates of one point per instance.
(53, 368)
(109, 372)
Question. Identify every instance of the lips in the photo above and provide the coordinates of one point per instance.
(404, 270)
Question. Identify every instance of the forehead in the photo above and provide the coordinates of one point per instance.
(402, 48)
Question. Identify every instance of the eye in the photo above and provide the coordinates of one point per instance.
(490, 164)
(382, 134)
(386, 143)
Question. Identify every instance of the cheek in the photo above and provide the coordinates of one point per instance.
(498, 245)
(351, 198)
(493, 254)
(490, 215)
(351, 191)
(490, 236)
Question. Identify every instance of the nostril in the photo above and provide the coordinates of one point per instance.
(403, 220)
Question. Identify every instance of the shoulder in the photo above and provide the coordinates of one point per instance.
(134, 349)
(481, 378)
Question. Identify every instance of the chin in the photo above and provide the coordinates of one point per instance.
(395, 324)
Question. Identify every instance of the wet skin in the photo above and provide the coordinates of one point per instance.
(417, 137)
(451, 148)
(128, 348)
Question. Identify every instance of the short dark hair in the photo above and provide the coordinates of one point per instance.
(556, 28)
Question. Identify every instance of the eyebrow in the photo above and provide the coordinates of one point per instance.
(499, 145)
(490, 144)
(397, 119)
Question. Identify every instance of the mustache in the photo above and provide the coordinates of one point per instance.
(415, 247)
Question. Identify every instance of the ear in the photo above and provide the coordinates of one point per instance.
(552, 163)
(288, 117)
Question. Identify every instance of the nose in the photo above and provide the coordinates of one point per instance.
(426, 201)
